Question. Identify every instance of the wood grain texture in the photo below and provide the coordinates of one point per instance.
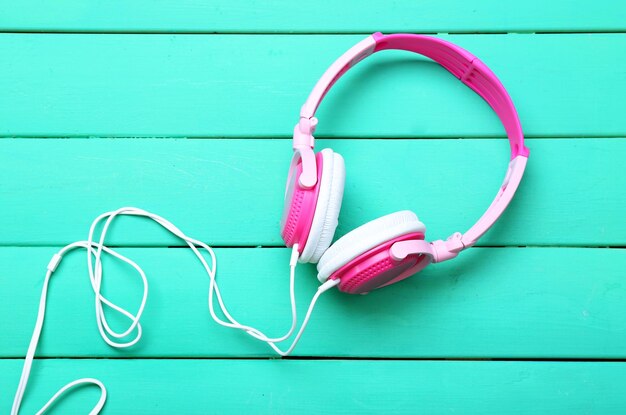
(311, 16)
(130, 82)
(253, 86)
(488, 303)
(328, 387)
(230, 192)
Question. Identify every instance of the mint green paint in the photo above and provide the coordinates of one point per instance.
(548, 282)
(311, 16)
(329, 387)
(230, 192)
(488, 303)
(254, 86)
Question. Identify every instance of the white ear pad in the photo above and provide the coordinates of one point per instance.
(325, 218)
(366, 237)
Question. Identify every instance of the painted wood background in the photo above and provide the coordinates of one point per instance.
(185, 108)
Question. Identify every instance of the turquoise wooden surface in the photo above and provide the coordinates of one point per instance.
(199, 183)
(322, 16)
(492, 302)
(100, 101)
(253, 86)
(288, 387)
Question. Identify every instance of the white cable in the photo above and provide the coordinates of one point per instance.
(110, 336)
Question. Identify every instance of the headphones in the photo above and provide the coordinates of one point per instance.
(381, 252)
(392, 247)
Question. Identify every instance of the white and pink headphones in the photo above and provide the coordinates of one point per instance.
(390, 248)
(379, 253)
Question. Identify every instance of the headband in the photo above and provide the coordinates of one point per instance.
(462, 64)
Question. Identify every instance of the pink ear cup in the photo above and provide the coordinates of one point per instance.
(366, 237)
(376, 268)
(299, 207)
(361, 260)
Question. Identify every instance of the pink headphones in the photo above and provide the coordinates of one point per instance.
(379, 253)
(390, 248)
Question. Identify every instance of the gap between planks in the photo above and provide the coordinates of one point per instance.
(336, 358)
(317, 137)
(303, 33)
(573, 246)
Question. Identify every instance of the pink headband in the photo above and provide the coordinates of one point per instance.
(462, 64)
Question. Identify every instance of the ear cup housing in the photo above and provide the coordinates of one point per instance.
(299, 207)
(310, 216)
(361, 258)
(326, 217)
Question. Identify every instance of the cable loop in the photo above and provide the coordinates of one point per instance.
(114, 338)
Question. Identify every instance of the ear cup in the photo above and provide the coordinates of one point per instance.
(367, 237)
(326, 217)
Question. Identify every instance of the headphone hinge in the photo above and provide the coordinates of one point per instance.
(448, 249)
(303, 133)
(303, 143)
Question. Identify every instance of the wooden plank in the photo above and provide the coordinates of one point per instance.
(291, 386)
(253, 86)
(52, 189)
(488, 303)
(310, 16)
